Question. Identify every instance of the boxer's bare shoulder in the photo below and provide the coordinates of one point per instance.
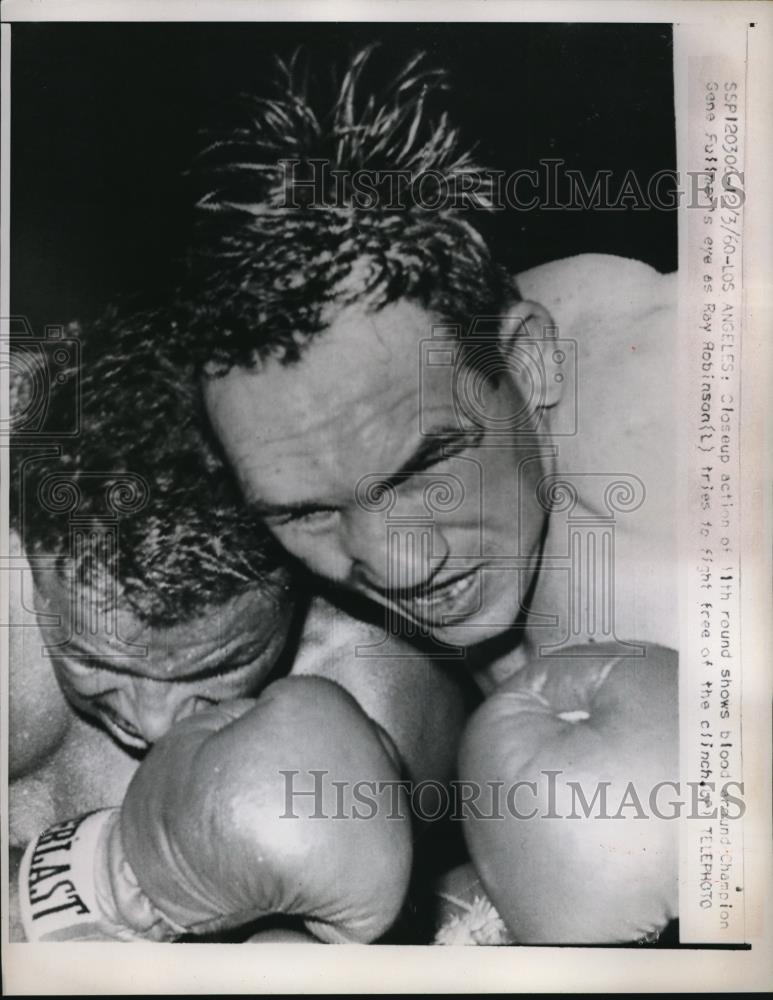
(88, 771)
(39, 714)
(583, 287)
(622, 317)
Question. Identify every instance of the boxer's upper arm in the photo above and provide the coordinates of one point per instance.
(420, 703)
(39, 715)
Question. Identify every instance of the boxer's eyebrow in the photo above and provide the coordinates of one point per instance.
(108, 665)
(214, 670)
(436, 445)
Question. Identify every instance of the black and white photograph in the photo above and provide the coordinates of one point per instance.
(371, 442)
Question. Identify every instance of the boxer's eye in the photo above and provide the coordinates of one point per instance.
(318, 517)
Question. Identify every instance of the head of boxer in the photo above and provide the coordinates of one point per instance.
(368, 368)
(157, 594)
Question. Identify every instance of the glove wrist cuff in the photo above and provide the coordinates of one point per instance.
(57, 885)
(76, 885)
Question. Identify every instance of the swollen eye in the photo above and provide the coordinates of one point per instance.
(309, 519)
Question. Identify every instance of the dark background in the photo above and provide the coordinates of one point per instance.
(106, 117)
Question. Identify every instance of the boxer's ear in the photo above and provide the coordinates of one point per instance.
(526, 337)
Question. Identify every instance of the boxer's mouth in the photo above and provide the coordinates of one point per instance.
(459, 596)
(123, 731)
(430, 604)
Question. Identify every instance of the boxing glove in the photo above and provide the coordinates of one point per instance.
(574, 838)
(284, 805)
(282, 936)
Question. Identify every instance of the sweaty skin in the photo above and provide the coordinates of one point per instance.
(620, 313)
(334, 452)
(65, 762)
(622, 316)
(362, 408)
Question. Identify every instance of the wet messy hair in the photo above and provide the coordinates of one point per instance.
(141, 459)
(277, 256)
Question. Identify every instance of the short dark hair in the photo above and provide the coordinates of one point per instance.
(273, 257)
(184, 539)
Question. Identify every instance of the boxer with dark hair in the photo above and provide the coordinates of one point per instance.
(161, 546)
(167, 616)
(353, 352)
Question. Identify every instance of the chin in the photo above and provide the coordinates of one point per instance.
(468, 633)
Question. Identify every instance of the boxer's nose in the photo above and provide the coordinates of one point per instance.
(393, 556)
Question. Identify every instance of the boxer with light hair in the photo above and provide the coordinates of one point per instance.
(355, 347)
(150, 605)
